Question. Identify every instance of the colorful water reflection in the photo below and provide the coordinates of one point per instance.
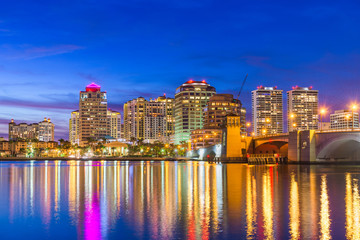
(177, 200)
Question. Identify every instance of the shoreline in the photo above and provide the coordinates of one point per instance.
(163, 159)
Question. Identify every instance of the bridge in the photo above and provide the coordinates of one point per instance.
(310, 145)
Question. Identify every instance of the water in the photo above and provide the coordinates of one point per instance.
(177, 200)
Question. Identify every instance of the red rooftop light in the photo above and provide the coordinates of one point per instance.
(203, 81)
(92, 87)
(190, 81)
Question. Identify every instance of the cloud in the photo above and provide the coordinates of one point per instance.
(89, 77)
(5, 101)
(28, 52)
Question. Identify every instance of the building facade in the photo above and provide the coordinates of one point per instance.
(344, 119)
(190, 100)
(114, 119)
(221, 105)
(93, 122)
(267, 110)
(74, 131)
(302, 109)
(149, 121)
(42, 131)
(134, 119)
(202, 138)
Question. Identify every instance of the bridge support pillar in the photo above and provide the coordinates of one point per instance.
(302, 147)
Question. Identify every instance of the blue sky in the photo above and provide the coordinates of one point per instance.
(50, 50)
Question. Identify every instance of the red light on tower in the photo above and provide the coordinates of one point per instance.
(92, 87)
(203, 81)
(190, 81)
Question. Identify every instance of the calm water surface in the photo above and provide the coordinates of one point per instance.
(177, 200)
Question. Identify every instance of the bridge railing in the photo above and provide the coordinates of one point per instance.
(338, 130)
(272, 135)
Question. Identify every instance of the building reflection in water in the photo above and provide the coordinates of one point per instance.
(102, 199)
(294, 209)
(251, 207)
(325, 221)
(352, 208)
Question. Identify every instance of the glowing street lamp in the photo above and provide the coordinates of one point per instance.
(322, 112)
(347, 120)
(292, 116)
(354, 108)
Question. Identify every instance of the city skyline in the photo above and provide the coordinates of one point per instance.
(325, 110)
(134, 52)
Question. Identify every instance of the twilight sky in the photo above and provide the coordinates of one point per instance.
(50, 51)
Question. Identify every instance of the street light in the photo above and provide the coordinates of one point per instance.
(322, 112)
(354, 107)
(347, 120)
(292, 116)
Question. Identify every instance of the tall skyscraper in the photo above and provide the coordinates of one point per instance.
(190, 100)
(221, 105)
(92, 114)
(168, 104)
(42, 131)
(46, 131)
(149, 120)
(114, 119)
(267, 110)
(134, 119)
(215, 114)
(344, 119)
(74, 135)
(302, 109)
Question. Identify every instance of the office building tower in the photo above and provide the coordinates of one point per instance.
(74, 135)
(42, 131)
(190, 100)
(267, 110)
(114, 119)
(93, 122)
(218, 107)
(302, 109)
(134, 119)
(149, 120)
(168, 104)
(344, 119)
(46, 131)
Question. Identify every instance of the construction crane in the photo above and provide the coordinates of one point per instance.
(242, 86)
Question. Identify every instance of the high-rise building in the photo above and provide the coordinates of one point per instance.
(93, 122)
(344, 119)
(114, 119)
(267, 110)
(190, 100)
(215, 114)
(221, 105)
(302, 109)
(46, 131)
(134, 119)
(42, 131)
(149, 120)
(74, 135)
(170, 117)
